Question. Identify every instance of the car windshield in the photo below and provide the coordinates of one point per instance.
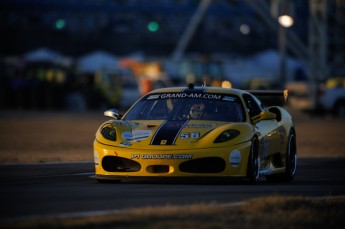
(182, 106)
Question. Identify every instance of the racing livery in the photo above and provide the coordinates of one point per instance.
(198, 132)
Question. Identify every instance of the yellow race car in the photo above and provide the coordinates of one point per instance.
(188, 132)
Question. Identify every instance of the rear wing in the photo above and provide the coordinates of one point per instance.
(271, 97)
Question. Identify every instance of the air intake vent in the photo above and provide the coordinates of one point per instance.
(120, 164)
(158, 169)
(204, 165)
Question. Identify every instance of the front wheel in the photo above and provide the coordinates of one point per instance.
(253, 167)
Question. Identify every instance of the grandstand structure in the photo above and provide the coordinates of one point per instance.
(155, 27)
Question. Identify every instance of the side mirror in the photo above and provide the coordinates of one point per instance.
(265, 115)
(113, 113)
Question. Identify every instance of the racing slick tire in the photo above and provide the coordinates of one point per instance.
(290, 160)
(253, 167)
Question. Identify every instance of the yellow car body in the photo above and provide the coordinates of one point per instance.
(148, 143)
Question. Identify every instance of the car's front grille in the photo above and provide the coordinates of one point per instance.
(204, 165)
(120, 164)
(158, 169)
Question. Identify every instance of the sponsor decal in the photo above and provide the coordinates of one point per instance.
(125, 144)
(136, 135)
(186, 95)
(201, 126)
(235, 158)
(162, 156)
(135, 156)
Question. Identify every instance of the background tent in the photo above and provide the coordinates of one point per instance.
(265, 64)
(43, 55)
(96, 61)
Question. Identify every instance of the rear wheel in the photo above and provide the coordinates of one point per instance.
(290, 162)
(253, 167)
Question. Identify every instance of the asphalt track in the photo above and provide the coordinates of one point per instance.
(62, 189)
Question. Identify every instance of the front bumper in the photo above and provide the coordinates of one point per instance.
(125, 162)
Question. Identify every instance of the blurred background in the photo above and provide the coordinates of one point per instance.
(81, 55)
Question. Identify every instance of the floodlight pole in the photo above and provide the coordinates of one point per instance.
(282, 51)
(189, 32)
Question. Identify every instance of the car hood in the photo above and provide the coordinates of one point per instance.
(178, 134)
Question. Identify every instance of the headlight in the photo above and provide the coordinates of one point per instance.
(226, 136)
(109, 133)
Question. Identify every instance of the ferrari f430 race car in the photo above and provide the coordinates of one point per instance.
(198, 132)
